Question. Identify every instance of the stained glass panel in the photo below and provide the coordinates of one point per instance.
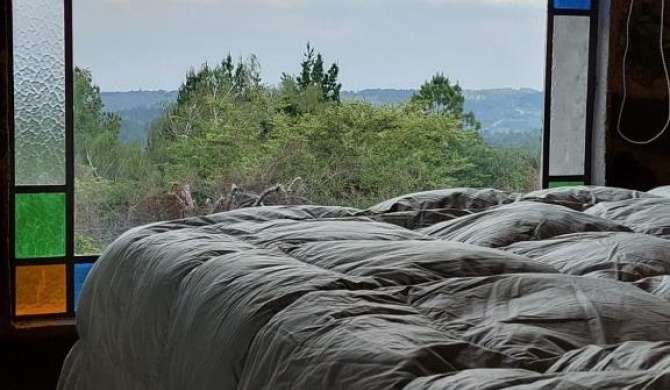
(569, 91)
(40, 225)
(39, 91)
(80, 273)
(40, 290)
(573, 4)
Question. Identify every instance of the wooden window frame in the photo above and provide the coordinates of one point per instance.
(593, 14)
(12, 325)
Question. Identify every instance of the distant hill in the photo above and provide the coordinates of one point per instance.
(121, 101)
(498, 110)
(379, 97)
(506, 110)
(506, 115)
(137, 110)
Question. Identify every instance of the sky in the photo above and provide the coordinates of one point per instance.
(151, 44)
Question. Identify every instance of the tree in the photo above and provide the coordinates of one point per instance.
(331, 87)
(305, 78)
(238, 80)
(312, 75)
(96, 132)
(89, 117)
(440, 96)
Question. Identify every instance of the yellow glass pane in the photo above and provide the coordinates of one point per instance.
(40, 290)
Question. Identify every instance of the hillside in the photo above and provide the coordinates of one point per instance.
(380, 97)
(506, 110)
(137, 110)
(509, 117)
(122, 101)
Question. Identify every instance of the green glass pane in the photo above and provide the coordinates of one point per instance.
(40, 225)
(559, 184)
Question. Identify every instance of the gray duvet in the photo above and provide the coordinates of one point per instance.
(457, 289)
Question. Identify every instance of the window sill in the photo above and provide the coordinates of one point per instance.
(44, 328)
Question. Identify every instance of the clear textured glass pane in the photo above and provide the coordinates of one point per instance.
(80, 273)
(41, 290)
(39, 91)
(572, 4)
(40, 225)
(570, 68)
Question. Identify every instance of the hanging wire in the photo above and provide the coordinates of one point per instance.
(625, 89)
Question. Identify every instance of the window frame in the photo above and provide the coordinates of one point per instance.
(6, 121)
(10, 322)
(548, 180)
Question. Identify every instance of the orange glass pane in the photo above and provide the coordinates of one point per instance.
(40, 290)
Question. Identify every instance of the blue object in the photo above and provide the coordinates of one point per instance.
(80, 273)
(573, 4)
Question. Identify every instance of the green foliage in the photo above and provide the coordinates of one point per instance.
(97, 146)
(312, 76)
(109, 173)
(296, 101)
(92, 125)
(440, 96)
(507, 116)
(352, 153)
(86, 245)
(227, 128)
(89, 116)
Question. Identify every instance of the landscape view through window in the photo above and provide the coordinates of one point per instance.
(190, 107)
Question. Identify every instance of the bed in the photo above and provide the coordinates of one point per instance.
(458, 289)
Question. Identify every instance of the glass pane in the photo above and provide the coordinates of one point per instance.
(570, 70)
(80, 273)
(39, 91)
(573, 4)
(559, 184)
(40, 225)
(40, 290)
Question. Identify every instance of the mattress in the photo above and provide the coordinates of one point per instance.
(452, 289)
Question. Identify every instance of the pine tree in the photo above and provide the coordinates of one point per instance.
(312, 75)
(317, 70)
(305, 78)
(332, 87)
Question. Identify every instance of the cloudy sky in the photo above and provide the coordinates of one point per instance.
(150, 44)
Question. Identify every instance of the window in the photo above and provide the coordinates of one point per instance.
(44, 274)
(224, 140)
(569, 92)
(48, 256)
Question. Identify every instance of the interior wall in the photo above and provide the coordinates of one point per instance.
(647, 104)
(32, 364)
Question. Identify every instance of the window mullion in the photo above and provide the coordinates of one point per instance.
(6, 160)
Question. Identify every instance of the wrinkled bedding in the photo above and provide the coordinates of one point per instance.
(457, 289)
